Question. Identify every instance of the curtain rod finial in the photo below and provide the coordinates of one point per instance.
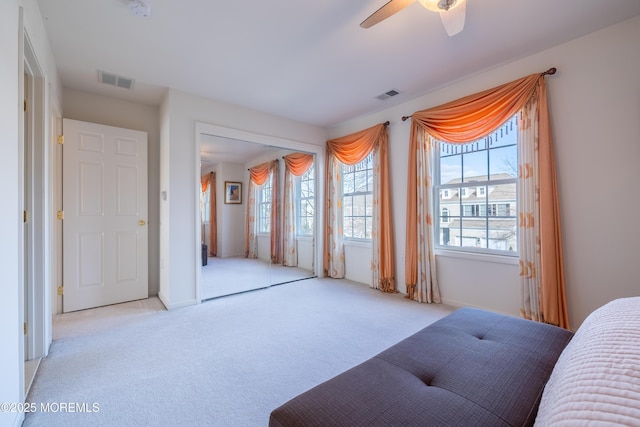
(387, 123)
(404, 118)
(551, 71)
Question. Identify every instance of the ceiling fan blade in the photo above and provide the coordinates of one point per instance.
(390, 8)
(453, 19)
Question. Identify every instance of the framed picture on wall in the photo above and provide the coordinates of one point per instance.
(233, 192)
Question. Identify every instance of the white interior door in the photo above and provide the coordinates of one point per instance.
(105, 213)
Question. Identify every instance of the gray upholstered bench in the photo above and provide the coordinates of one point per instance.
(471, 368)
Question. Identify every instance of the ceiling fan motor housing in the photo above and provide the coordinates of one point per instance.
(446, 4)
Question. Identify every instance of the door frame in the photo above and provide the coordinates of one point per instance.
(33, 147)
(202, 128)
(55, 117)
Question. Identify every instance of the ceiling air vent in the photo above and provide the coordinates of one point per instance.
(389, 94)
(115, 80)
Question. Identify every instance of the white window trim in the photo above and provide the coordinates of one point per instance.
(299, 199)
(259, 204)
(357, 243)
(474, 255)
(366, 193)
(205, 202)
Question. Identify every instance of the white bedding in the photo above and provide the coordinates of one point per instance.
(596, 380)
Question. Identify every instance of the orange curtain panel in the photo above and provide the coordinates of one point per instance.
(352, 149)
(471, 118)
(208, 182)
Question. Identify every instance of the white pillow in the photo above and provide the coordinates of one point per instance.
(597, 377)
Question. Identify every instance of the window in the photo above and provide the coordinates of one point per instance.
(305, 203)
(485, 174)
(264, 206)
(444, 215)
(205, 206)
(357, 199)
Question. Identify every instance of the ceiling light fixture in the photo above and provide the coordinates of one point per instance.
(452, 13)
(439, 5)
(139, 8)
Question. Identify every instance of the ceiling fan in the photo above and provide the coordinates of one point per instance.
(452, 13)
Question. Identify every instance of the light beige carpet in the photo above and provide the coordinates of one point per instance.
(226, 362)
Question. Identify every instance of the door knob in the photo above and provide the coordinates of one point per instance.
(141, 222)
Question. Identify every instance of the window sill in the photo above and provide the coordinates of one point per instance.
(304, 238)
(472, 256)
(357, 243)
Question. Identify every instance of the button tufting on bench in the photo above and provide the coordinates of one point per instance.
(498, 381)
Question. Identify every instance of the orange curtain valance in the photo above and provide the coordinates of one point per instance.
(352, 149)
(473, 117)
(298, 163)
(260, 173)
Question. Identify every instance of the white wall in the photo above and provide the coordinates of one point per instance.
(11, 356)
(10, 388)
(164, 289)
(357, 262)
(231, 222)
(109, 111)
(306, 253)
(595, 111)
(179, 232)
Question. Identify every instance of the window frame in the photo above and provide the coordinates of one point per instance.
(205, 206)
(310, 177)
(368, 197)
(454, 190)
(264, 221)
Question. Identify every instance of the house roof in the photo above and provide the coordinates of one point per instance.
(497, 192)
(308, 61)
(480, 223)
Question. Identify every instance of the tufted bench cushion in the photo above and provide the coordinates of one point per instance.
(472, 367)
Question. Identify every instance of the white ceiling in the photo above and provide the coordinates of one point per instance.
(215, 149)
(306, 60)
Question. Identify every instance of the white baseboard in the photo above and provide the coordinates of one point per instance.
(172, 306)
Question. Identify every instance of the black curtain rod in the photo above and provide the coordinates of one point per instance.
(550, 72)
